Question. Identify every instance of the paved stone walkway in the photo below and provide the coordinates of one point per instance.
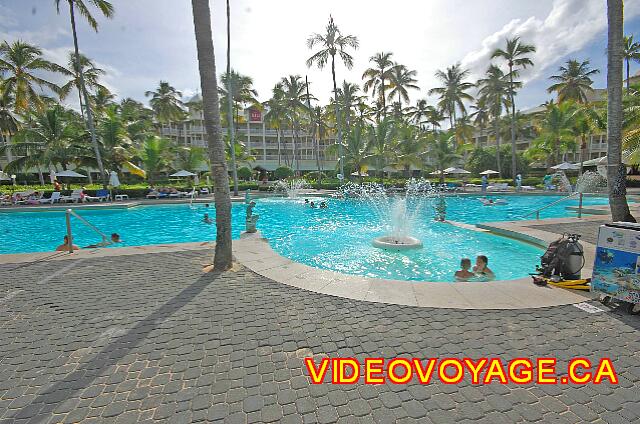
(587, 229)
(149, 338)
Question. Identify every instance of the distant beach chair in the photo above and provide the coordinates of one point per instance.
(101, 195)
(55, 198)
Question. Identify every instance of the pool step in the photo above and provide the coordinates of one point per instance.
(467, 226)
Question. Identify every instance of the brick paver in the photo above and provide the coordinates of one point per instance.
(149, 338)
(587, 229)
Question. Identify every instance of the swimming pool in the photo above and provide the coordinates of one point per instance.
(337, 238)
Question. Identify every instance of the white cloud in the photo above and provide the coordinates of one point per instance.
(569, 27)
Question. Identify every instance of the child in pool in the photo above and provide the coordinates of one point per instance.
(464, 274)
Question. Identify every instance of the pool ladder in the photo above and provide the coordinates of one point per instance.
(68, 214)
(537, 211)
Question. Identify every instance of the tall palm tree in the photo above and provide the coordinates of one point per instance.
(573, 82)
(106, 9)
(211, 108)
(376, 76)
(356, 149)
(90, 72)
(631, 53)
(348, 98)
(277, 114)
(616, 171)
(493, 91)
(410, 147)
(230, 123)
(115, 146)
(167, 103)
(453, 92)
(333, 43)
(20, 62)
(402, 79)
(434, 117)
(236, 90)
(9, 123)
(515, 53)
(295, 99)
(419, 113)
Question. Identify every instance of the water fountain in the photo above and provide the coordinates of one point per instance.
(291, 188)
(591, 182)
(393, 210)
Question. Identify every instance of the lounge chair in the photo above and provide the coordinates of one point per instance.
(498, 187)
(153, 195)
(101, 195)
(192, 193)
(75, 197)
(204, 190)
(55, 198)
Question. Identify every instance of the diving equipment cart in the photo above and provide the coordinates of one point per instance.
(616, 268)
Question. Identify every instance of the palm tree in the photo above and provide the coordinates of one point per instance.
(52, 139)
(441, 151)
(156, 155)
(106, 8)
(419, 113)
(348, 98)
(277, 114)
(295, 98)
(230, 89)
(116, 144)
(380, 141)
(90, 72)
(9, 123)
(434, 117)
(401, 80)
(211, 107)
(410, 148)
(356, 150)
(20, 62)
(236, 90)
(453, 92)
(333, 43)
(167, 103)
(515, 55)
(573, 82)
(481, 117)
(554, 129)
(190, 158)
(494, 93)
(582, 127)
(376, 76)
(631, 53)
(616, 171)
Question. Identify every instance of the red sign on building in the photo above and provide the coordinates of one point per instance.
(255, 115)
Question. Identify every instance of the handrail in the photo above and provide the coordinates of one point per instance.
(537, 211)
(85, 222)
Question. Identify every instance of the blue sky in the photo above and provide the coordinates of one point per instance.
(152, 40)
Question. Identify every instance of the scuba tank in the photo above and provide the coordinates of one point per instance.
(575, 258)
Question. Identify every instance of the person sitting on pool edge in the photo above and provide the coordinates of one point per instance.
(206, 219)
(482, 270)
(464, 274)
(65, 246)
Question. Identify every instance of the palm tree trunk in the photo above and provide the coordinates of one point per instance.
(514, 163)
(384, 104)
(496, 130)
(211, 108)
(583, 150)
(232, 135)
(627, 76)
(89, 117)
(616, 171)
(338, 121)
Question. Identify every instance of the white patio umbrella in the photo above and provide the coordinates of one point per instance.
(362, 174)
(454, 170)
(565, 166)
(69, 173)
(437, 172)
(489, 172)
(114, 181)
(182, 173)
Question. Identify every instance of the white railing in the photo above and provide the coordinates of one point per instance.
(105, 239)
(537, 211)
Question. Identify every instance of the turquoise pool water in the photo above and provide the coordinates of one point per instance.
(337, 238)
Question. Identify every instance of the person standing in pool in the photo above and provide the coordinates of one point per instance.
(482, 270)
(206, 219)
(464, 274)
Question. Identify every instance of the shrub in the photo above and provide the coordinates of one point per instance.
(283, 172)
(245, 173)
